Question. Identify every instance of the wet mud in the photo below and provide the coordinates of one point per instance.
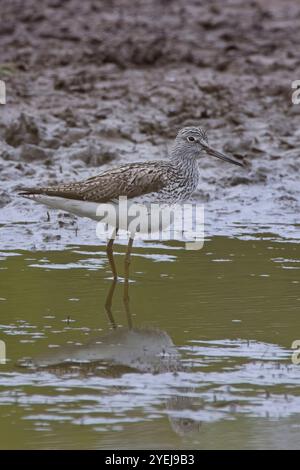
(93, 84)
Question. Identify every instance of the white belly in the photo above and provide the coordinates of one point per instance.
(123, 214)
(81, 208)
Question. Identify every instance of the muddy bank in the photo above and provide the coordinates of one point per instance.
(92, 84)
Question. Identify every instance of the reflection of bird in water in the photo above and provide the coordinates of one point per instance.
(145, 350)
(163, 181)
(142, 349)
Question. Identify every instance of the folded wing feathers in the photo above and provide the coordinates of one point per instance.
(129, 180)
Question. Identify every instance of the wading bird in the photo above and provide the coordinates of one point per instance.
(167, 181)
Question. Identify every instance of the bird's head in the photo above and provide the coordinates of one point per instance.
(193, 142)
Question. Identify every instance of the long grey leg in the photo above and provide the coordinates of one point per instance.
(128, 257)
(110, 254)
(126, 282)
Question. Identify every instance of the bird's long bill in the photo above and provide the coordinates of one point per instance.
(216, 153)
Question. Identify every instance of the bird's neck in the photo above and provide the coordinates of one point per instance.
(185, 162)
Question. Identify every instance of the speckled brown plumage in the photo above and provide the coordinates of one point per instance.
(131, 180)
(168, 181)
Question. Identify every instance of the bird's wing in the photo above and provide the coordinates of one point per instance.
(129, 180)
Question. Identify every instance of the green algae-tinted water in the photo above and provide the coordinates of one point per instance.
(199, 358)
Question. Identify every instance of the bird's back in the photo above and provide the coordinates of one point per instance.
(132, 180)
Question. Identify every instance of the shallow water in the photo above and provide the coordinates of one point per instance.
(200, 357)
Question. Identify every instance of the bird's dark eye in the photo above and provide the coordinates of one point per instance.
(191, 139)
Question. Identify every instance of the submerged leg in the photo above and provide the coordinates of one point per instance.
(110, 254)
(128, 257)
(126, 282)
(126, 303)
(108, 304)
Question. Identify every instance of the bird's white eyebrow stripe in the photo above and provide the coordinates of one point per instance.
(196, 132)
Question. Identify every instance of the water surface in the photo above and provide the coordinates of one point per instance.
(199, 357)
